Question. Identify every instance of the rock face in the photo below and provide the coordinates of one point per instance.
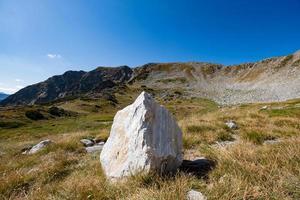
(144, 137)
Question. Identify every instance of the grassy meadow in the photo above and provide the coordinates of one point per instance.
(248, 168)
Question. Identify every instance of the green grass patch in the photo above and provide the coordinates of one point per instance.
(257, 137)
(11, 124)
(224, 136)
(284, 112)
(199, 128)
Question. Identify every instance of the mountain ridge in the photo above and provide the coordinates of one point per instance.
(271, 79)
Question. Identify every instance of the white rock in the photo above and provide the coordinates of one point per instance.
(231, 124)
(195, 195)
(95, 148)
(144, 137)
(38, 147)
(264, 108)
(87, 142)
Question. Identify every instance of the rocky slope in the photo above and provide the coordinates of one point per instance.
(274, 79)
(71, 84)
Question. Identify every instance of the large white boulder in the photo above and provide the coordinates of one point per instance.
(144, 137)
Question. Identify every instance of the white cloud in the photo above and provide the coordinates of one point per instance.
(8, 90)
(18, 80)
(19, 86)
(53, 56)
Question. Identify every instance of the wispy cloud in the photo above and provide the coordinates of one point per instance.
(8, 90)
(19, 86)
(18, 80)
(53, 56)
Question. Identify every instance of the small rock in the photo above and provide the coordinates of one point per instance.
(38, 147)
(95, 148)
(98, 140)
(224, 143)
(195, 195)
(87, 142)
(264, 108)
(271, 141)
(231, 124)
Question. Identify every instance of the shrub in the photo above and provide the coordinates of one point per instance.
(59, 112)
(34, 115)
(10, 124)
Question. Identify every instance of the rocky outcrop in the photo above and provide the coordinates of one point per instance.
(144, 137)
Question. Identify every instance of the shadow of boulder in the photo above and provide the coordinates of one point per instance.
(199, 167)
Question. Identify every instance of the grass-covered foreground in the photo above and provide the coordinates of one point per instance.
(248, 168)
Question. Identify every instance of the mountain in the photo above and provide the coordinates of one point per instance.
(273, 79)
(71, 84)
(3, 96)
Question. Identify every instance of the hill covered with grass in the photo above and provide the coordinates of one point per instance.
(259, 160)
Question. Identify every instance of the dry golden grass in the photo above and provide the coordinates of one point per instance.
(248, 169)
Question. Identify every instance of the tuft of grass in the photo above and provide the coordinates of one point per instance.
(224, 136)
(257, 137)
(199, 128)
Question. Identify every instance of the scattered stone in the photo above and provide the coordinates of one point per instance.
(264, 108)
(274, 141)
(195, 195)
(144, 137)
(37, 147)
(95, 148)
(87, 142)
(98, 140)
(232, 124)
(224, 144)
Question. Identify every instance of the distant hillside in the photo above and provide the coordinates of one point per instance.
(274, 79)
(71, 84)
(3, 96)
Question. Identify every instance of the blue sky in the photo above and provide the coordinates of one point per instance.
(41, 38)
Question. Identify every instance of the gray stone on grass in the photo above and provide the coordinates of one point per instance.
(195, 195)
(144, 137)
(231, 124)
(87, 142)
(264, 108)
(41, 145)
(95, 148)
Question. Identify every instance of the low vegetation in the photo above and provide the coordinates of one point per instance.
(248, 169)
